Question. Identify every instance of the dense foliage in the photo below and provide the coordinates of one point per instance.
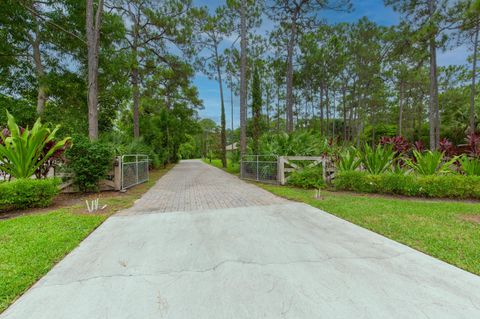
(89, 162)
(24, 152)
(27, 193)
(307, 178)
(438, 186)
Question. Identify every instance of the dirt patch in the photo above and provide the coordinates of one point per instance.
(61, 201)
(471, 218)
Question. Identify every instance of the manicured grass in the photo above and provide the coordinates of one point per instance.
(232, 168)
(30, 245)
(436, 228)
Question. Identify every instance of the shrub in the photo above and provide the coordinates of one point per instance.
(439, 186)
(311, 177)
(348, 160)
(23, 152)
(429, 163)
(27, 193)
(89, 162)
(378, 160)
(398, 143)
(469, 166)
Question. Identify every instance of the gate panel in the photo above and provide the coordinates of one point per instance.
(260, 168)
(134, 170)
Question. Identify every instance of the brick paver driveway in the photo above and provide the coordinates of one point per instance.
(202, 244)
(193, 185)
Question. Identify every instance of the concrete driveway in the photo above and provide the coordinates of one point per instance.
(202, 244)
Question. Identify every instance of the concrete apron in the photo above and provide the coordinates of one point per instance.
(277, 261)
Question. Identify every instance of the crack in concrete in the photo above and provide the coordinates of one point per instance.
(220, 264)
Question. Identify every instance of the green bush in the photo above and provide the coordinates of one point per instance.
(348, 160)
(307, 178)
(469, 166)
(27, 193)
(429, 163)
(89, 162)
(378, 160)
(435, 186)
(24, 151)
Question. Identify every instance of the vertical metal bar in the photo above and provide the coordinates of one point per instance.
(257, 169)
(148, 168)
(136, 166)
(121, 172)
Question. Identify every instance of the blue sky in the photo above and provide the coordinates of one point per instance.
(373, 9)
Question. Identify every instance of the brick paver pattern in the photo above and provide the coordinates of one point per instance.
(193, 185)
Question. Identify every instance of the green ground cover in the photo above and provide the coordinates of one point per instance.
(232, 168)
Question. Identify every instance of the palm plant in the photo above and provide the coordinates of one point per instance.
(24, 151)
(348, 160)
(469, 166)
(378, 160)
(429, 163)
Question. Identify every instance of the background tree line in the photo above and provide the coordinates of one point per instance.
(121, 71)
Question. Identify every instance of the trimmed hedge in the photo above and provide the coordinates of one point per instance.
(311, 177)
(27, 193)
(439, 186)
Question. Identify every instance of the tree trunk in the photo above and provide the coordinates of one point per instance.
(223, 136)
(93, 43)
(39, 69)
(327, 110)
(243, 78)
(267, 105)
(231, 104)
(136, 102)
(333, 115)
(321, 109)
(135, 78)
(401, 104)
(474, 75)
(434, 116)
(344, 104)
(278, 108)
(289, 98)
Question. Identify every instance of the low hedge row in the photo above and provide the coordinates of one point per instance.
(311, 177)
(440, 186)
(27, 193)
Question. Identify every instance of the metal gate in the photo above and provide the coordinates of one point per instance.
(134, 170)
(260, 168)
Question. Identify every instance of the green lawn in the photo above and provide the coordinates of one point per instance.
(434, 227)
(30, 245)
(232, 168)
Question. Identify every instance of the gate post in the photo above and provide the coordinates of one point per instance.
(117, 173)
(281, 170)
